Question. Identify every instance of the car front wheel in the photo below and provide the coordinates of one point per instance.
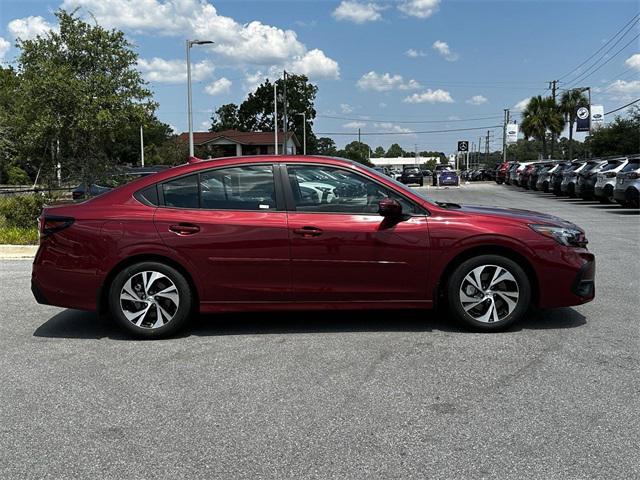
(488, 293)
(150, 299)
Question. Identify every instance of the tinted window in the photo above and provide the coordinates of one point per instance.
(238, 188)
(181, 192)
(329, 189)
(148, 195)
(631, 166)
(610, 166)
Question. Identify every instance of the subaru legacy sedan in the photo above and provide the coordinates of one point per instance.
(300, 233)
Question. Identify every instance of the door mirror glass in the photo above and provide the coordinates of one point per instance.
(389, 207)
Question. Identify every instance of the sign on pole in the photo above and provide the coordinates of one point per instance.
(512, 133)
(597, 117)
(582, 119)
(463, 146)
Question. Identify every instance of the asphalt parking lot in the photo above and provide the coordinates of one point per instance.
(334, 395)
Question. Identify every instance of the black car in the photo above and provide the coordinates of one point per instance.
(412, 175)
(555, 181)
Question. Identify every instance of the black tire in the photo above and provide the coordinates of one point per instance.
(607, 195)
(179, 315)
(571, 190)
(545, 187)
(632, 198)
(455, 284)
(421, 183)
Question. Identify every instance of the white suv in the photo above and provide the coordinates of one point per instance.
(628, 184)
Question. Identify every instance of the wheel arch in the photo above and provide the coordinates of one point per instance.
(103, 300)
(501, 250)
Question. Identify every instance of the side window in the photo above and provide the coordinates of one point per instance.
(333, 190)
(181, 192)
(238, 188)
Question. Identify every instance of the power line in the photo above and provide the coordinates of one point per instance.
(588, 74)
(633, 20)
(407, 133)
(409, 121)
(624, 106)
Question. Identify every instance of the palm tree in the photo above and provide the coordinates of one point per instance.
(569, 103)
(541, 115)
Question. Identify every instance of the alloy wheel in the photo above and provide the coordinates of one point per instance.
(149, 299)
(489, 293)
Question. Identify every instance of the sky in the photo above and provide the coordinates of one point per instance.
(398, 68)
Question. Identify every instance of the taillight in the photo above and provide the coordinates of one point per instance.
(633, 175)
(610, 174)
(50, 224)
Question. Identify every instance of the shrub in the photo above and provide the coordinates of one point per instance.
(21, 210)
(18, 236)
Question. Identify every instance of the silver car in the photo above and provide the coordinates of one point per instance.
(606, 179)
(628, 184)
(587, 179)
(543, 178)
(570, 177)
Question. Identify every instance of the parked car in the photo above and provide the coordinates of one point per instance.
(606, 180)
(237, 234)
(555, 181)
(535, 173)
(426, 173)
(437, 171)
(511, 173)
(628, 184)
(449, 178)
(570, 177)
(524, 176)
(587, 179)
(544, 177)
(517, 174)
(412, 175)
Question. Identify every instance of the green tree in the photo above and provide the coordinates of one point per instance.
(225, 118)
(326, 146)
(541, 116)
(79, 89)
(394, 151)
(357, 151)
(620, 137)
(379, 152)
(569, 103)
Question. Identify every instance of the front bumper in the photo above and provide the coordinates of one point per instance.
(584, 283)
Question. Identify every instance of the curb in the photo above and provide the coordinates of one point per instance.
(16, 252)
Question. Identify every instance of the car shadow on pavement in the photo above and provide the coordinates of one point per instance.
(88, 325)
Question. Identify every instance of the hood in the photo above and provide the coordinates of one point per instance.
(528, 216)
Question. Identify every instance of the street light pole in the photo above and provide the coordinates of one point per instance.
(190, 43)
(304, 132)
(141, 146)
(275, 117)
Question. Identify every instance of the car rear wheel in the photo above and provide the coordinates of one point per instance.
(488, 293)
(150, 299)
(607, 195)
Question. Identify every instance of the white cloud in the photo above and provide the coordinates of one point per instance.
(253, 80)
(221, 85)
(385, 82)
(346, 108)
(356, 12)
(353, 125)
(634, 61)
(4, 47)
(430, 96)
(388, 126)
(173, 71)
(382, 105)
(29, 27)
(624, 90)
(315, 64)
(419, 8)
(443, 49)
(413, 53)
(522, 104)
(250, 43)
(477, 100)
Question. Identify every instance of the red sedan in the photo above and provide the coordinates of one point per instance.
(284, 233)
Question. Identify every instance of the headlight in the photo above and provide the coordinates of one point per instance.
(570, 237)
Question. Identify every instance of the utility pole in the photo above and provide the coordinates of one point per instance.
(304, 132)
(415, 150)
(189, 44)
(553, 86)
(284, 116)
(486, 148)
(359, 136)
(275, 117)
(141, 147)
(504, 135)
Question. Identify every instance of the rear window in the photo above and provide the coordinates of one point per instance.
(631, 166)
(411, 170)
(610, 166)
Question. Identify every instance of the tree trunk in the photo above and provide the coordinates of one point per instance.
(544, 147)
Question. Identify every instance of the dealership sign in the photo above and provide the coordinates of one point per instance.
(512, 133)
(582, 119)
(597, 117)
(463, 146)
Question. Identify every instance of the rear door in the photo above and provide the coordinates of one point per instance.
(230, 223)
(342, 249)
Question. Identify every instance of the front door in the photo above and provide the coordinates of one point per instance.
(342, 249)
(228, 224)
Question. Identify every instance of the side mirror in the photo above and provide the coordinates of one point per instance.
(388, 207)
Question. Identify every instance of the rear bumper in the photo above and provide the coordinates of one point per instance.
(62, 288)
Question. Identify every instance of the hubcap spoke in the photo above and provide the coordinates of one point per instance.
(493, 303)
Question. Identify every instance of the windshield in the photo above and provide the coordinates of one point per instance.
(631, 166)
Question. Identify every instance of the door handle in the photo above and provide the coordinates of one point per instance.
(308, 231)
(184, 229)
